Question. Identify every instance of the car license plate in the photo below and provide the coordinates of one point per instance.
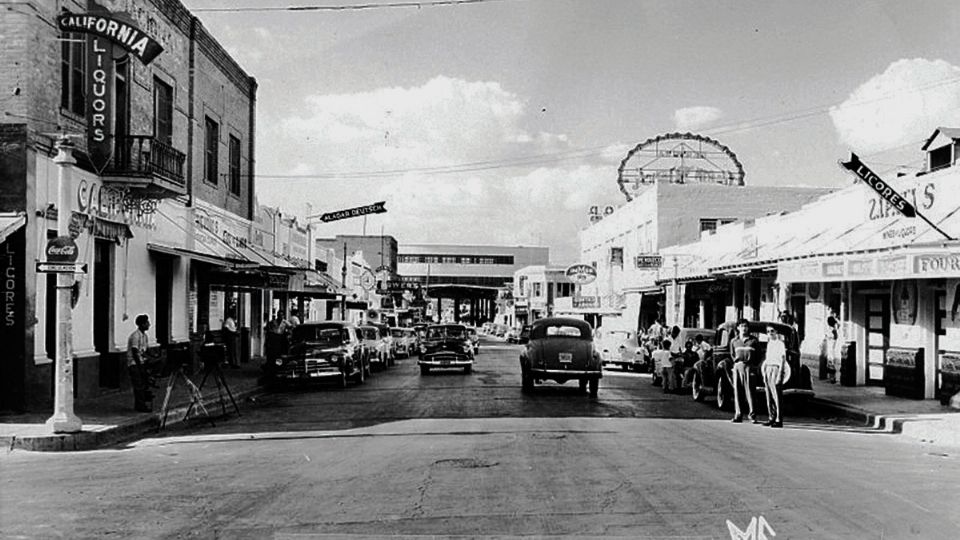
(566, 357)
(444, 362)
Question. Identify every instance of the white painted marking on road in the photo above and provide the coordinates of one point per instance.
(904, 499)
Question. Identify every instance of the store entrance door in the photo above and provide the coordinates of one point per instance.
(878, 336)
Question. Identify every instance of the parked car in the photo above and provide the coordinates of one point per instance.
(374, 345)
(620, 348)
(387, 345)
(524, 336)
(321, 350)
(714, 374)
(405, 340)
(512, 335)
(474, 338)
(561, 349)
(487, 328)
(678, 336)
(446, 346)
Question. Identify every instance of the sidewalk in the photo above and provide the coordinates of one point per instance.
(925, 421)
(110, 418)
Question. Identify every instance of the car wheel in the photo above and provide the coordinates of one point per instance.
(723, 396)
(583, 385)
(526, 382)
(343, 380)
(467, 369)
(424, 370)
(696, 386)
(594, 387)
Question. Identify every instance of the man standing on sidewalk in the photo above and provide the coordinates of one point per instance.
(137, 345)
(743, 349)
(775, 371)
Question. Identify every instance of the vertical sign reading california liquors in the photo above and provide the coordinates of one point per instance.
(105, 31)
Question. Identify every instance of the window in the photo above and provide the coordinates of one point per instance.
(72, 68)
(234, 165)
(211, 141)
(616, 256)
(449, 260)
(940, 157)
(708, 226)
(537, 289)
(162, 112)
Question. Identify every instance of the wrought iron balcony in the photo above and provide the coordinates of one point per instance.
(144, 163)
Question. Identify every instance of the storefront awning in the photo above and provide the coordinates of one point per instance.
(202, 256)
(9, 224)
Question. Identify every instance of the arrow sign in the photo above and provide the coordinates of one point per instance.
(375, 208)
(864, 173)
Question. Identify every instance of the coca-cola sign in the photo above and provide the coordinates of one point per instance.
(62, 249)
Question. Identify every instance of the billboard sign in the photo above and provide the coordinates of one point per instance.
(648, 261)
(581, 274)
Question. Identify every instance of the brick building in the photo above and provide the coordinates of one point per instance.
(162, 198)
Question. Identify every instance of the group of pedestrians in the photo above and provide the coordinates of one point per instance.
(774, 369)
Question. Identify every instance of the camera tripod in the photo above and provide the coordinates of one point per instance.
(195, 395)
(213, 368)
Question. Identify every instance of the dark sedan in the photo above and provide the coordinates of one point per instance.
(322, 350)
(446, 346)
(561, 349)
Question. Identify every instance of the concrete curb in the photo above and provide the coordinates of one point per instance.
(92, 440)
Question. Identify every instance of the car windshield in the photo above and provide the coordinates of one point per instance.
(440, 332)
(397, 333)
(370, 333)
(319, 335)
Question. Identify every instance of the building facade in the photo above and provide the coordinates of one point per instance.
(536, 289)
(160, 200)
(891, 281)
(663, 214)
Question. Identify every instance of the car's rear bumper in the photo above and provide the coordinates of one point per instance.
(445, 362)
(565, 373)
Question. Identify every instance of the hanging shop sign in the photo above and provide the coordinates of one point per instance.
(103, 33)
(581, 274)
(62, 249)
(903, 298)
(375, 208)
(888, 194)
(648, 261)
(124, 34)
(367, 280)
(115, 204)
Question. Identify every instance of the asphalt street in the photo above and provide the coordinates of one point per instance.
(452, 454)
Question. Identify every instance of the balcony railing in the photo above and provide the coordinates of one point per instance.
(143, 155)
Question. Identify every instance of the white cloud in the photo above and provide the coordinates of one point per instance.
(904, 104)
(694, 118)
(443, 122)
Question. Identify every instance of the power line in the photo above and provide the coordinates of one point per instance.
(596, 151)
(346, 7)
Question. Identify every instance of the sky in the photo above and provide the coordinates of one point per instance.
(502, 122)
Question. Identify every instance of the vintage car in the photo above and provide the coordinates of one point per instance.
(446, 346)
(561, 349)
(474, 338)
(405, 340)
(373, 343)
(714, 373)
(321, 350)
(388, 346)
(620, 348)
(524, 336)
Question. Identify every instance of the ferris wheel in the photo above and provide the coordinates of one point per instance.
(678, 158)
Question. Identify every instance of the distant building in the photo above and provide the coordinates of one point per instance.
(481, 275)
(536, 288)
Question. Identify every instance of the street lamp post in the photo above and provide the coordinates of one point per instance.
(63, 419)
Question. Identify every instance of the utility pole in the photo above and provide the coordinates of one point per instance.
(343, 285)
(63, 419)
